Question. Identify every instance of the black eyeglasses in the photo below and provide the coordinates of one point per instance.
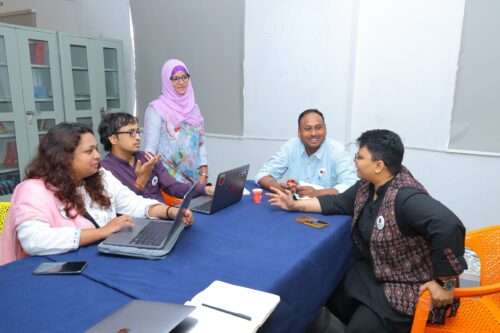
(178, 79)
(132, 133)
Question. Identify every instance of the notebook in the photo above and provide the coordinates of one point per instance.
(227, 308)
(143, 316)
(228, 191)
(148, 238)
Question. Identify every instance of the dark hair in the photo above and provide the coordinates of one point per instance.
(53, 163)
(111, 123)
(385, 146)
(306, 112)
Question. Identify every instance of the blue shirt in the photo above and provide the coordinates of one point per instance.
(330, 166)
(159, 178)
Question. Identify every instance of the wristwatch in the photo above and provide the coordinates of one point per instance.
(204, 174)
(447, 284)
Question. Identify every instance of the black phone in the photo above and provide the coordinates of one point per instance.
(69, 267)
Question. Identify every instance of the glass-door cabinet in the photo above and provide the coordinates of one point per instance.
(92, 74)
(40, 76)
(110, 63)
(12, 129)
(30, 98)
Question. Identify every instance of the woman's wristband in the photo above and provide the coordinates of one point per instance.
(168, 208)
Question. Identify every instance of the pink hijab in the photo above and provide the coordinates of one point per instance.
(173, 107)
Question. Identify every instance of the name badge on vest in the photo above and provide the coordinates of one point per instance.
(380, 222)
(154, 181)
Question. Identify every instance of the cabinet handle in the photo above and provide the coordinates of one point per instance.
(29, 117)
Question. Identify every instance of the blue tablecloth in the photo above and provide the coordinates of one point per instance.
(252, 245)
(52, 303)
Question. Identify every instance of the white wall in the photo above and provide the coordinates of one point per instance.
(398, 73)
(297, 56)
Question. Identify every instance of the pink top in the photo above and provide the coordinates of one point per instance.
(32, 201)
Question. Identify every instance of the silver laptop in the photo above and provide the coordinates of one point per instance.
(148, 238)
(228, 191)
(143, 316)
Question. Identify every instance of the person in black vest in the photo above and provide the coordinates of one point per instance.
(408, 242)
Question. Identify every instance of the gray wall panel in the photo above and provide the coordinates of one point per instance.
(476, 112)
(209, 37)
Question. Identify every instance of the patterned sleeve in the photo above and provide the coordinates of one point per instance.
(203, 149)
(153, 130)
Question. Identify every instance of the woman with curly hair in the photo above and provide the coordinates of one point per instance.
(67, 201)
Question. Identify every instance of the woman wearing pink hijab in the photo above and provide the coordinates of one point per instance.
(173, 126)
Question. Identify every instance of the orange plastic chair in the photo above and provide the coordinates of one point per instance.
(170, 200)
(479, 306)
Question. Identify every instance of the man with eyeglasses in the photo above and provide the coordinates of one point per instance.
(142, 172)
(311, 158)
(407, 241)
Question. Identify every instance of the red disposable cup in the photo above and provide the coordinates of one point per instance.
(257, 195)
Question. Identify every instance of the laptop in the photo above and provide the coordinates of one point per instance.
(148, 238)
(228, 191)
(143, 316)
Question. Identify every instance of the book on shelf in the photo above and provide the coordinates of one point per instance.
(37, 53)
(224, 307)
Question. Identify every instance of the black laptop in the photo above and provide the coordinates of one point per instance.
(228, 191)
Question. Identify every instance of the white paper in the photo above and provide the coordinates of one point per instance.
(254, 303)
(303, 183)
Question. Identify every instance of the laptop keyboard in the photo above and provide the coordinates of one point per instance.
(205, 206)
(152, 235)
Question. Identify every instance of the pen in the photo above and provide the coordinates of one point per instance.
(240, 315)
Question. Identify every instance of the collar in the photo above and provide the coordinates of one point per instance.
(318, 154)
(381, 190)
(117, 159)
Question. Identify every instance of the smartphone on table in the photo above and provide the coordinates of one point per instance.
(312, 221)
(69, 267)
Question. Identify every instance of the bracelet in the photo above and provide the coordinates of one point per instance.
(139, 186)
(168, 208)
(204, 174)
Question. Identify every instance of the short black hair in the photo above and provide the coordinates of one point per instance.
(111, 123)
(384, 145)
(306, 112)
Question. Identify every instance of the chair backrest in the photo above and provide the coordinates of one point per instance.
(486, 243)
(4, 209)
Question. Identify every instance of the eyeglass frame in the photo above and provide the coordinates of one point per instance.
(358, 157)
(132, 133)
(178, 79)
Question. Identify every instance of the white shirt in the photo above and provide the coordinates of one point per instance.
(39, 238)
